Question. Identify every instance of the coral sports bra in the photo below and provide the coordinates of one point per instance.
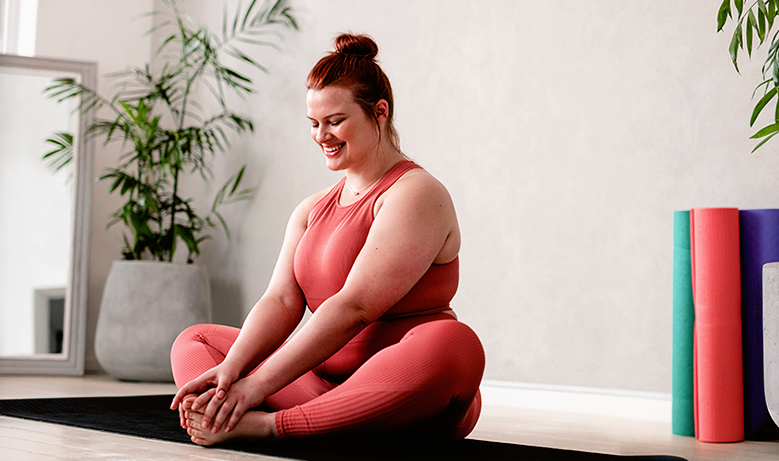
(335, 236)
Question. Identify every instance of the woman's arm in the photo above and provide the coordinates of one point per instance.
(269, 323)
(280, 309)
(414, 227)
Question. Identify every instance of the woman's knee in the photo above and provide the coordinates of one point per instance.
(199, 348)
(454, 343)
(220, 337)
(446, 333)
(465, 344)
(194, 333)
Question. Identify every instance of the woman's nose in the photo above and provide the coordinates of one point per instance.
(321, 134)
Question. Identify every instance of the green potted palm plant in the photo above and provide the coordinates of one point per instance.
(160, 118)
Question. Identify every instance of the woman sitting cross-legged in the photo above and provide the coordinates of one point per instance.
(375, 258)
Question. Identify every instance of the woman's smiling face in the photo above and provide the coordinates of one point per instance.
(346, 135)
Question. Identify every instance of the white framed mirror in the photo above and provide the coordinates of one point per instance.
(44, 220)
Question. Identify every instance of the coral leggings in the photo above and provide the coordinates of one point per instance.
(415, 376)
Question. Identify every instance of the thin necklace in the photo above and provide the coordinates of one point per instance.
(364, 188)
(346, 180)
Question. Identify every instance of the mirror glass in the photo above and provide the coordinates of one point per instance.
(44, 220)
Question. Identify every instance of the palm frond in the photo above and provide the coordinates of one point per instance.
(61, 154)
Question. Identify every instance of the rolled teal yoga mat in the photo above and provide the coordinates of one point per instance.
(682, 404)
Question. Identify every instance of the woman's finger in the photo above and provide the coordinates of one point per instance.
(228, 407)
(183, 392)
(176, 403)
(195, 386)
(222, 387)
(213, 407)
(236, 415)
(182, 416)
(203, 399)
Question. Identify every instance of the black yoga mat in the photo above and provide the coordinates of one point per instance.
(149, 417)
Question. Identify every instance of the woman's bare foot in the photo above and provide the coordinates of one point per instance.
(182, 412)
(252, 425)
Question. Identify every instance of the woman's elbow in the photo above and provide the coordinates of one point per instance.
(358, 316)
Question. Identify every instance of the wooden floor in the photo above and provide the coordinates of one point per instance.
(25, 440)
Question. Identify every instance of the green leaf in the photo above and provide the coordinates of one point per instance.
(764, 82)
(761, 25)
(761, 104)
(238, 178)
(233, 74)
(735, 43)
(761, 6)
(224, 22)
(723, 14)
(139, 225)
(776, 112)
(739, 6)
(775, 68)
(61, 154)
(118, 182)
(238, 15)
(188, 237)
(248, 14)
(751, 24)
(760, 144)
(770, 129)
(128, 185)
(224, 225)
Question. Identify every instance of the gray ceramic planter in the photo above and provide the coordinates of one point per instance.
(771, 338)
(145, 305)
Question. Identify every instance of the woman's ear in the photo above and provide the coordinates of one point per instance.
(381, 110)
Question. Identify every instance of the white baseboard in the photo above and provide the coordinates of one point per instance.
(645, 406)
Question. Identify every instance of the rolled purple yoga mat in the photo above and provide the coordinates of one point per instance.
(759, 230)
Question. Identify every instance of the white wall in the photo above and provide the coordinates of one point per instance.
(567, 132)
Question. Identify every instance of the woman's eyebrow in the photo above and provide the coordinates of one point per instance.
(337, 114)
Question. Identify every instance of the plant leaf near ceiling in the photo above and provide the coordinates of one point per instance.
(753, 29)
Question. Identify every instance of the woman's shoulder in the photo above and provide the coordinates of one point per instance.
(313, 199)
(303, 210)
(422, 200)
(417, 187)
(419, 181)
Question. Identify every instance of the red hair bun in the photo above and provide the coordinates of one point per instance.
(356, 45)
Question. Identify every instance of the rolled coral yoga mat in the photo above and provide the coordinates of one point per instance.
(682, 407)
(716, 284)
(759, 245)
